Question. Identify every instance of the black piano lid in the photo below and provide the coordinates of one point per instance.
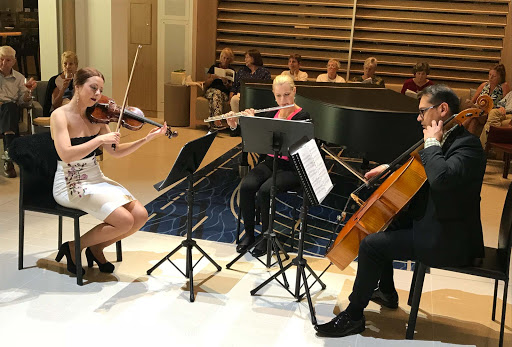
(373, 123)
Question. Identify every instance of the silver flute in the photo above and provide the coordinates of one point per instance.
(239, 114)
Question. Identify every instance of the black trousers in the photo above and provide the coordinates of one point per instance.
(259, 180)
(375, 263)
(9, 117)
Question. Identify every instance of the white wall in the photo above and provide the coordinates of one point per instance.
(102, 41)
(48, 38)
(94, 37)
(175, 21)
(120, 69)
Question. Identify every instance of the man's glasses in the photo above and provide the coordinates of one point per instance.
(424, 110)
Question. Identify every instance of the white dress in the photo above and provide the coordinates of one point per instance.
(82, 185)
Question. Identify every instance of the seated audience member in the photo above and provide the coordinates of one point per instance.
(217, 88)
(58, 84)
(14, 92)
(498, 117)
(294, 66)
(254, 70)
(333, 66)
(496, 88)
(369, 76)
(420, 80)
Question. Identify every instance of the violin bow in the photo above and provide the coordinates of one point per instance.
(126, 93)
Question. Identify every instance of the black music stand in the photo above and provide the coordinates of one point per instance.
(269, 135)
(189, 159)
(308, 198)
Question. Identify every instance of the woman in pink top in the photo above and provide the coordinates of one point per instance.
(259, 179)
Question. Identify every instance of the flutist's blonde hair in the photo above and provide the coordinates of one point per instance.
(7, 51)
(283, 79)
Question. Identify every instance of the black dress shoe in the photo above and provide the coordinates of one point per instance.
(341, 326)
(64, 250)
(389, 300)
(244, 244)
(260, 249)
(107, 267)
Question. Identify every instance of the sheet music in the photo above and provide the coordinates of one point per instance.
(315, 169)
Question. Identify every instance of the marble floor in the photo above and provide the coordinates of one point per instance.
(42, 305)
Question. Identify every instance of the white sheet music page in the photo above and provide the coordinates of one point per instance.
(315, 169)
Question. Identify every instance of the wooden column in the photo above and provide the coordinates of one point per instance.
(68, 26)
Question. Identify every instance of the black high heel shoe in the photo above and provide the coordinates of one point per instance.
(64, 250)
(107, 267)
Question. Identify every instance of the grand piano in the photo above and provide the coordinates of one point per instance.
(372, 123)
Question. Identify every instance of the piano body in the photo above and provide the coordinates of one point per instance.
(373, 123)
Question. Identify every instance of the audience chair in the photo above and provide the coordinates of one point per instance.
(494, 265)
(37, 159)
(39, 122)
(199, 107)
(500, 138)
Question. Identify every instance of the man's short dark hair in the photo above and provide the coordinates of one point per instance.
(439, 93)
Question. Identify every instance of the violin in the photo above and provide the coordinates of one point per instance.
(106, 110)
(378, 211)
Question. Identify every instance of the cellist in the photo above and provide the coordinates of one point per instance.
(440, 227)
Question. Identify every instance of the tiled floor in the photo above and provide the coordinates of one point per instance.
(42, 305)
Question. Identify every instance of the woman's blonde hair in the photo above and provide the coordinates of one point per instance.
(283, 79)
(370, 61)
(228, 52)
(336, 61)
(69, 55)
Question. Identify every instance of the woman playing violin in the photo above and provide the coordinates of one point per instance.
(259, 179)
(79, 182)
(440, 227)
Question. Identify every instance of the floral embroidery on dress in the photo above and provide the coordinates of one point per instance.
(74, 178)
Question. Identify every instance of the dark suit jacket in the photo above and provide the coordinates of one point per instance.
(446, 226)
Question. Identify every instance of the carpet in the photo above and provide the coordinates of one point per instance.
(216, 209)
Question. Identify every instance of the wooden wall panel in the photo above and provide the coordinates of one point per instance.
(461, 39)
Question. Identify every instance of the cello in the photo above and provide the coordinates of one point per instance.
(378, 211)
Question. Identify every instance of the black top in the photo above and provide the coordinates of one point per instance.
(47, 106)
(217, 83)
(75, 141)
